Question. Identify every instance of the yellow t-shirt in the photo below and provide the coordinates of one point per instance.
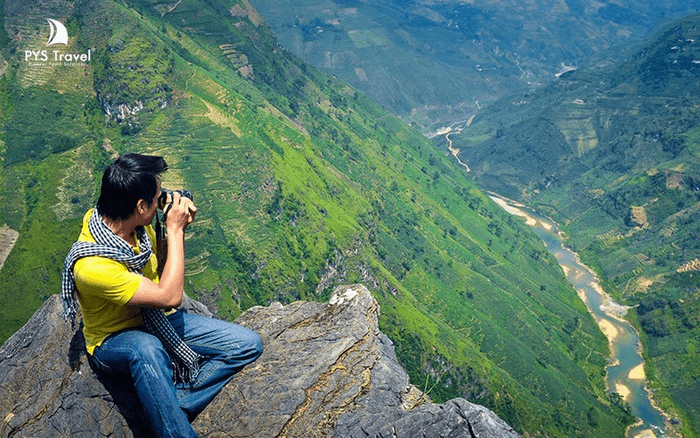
(104, 287)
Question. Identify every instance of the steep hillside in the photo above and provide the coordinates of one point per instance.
(302, 183)
(436, 63)
(615, 155)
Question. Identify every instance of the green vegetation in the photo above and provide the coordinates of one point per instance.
(437, 63)
(302, 183)
(613, 156)
(56, 123)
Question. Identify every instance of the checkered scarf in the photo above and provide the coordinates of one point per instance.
(109, 245)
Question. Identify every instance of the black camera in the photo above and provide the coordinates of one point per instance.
(164, 193)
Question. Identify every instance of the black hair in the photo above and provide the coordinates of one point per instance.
(131, 178)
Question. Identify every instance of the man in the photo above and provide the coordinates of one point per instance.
(178, 362)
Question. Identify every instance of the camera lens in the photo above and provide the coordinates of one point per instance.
(163, 198)
(186, 193)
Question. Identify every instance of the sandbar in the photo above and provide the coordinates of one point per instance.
(623, 390)
(637, 373)
(597, 288)
(610, 307)
(529, 220)
(608, 329)
(646, 433)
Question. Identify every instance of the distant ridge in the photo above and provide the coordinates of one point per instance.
(436, 63)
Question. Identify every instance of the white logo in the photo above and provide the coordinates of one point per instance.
(59, 34)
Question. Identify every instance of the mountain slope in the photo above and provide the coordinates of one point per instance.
(437, 63)
(302, 183)
(613, 154)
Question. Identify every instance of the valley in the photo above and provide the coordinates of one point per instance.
(625, 371)
(434, 63)
(611, 155)
(304, 182)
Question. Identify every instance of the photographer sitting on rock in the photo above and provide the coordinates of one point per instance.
(178, 361)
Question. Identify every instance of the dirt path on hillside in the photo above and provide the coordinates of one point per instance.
(455, 151)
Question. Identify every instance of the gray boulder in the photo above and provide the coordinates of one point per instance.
(326, 371)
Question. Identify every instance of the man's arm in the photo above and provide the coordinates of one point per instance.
(168, 292)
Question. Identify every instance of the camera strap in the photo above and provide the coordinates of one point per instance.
(159, 229)
(161, 243)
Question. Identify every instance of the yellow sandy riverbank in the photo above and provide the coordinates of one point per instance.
(646, 433)
(610, 307)
(623, 390)
(637, 373)
(529, 220)
(609, 330)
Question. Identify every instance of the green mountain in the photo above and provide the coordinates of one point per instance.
(614, 154)
(437, 62)
(302, 183)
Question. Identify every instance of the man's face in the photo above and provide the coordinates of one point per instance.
(151, 211)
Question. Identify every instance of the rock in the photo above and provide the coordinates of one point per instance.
(326, 370)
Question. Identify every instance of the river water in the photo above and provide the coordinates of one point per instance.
(625, 374)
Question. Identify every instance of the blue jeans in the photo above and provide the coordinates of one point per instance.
(227, 348)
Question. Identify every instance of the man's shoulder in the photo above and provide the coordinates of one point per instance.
(95, 275)
(85, 235)
(98, 266)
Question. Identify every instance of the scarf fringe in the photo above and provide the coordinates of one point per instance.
(186, 373)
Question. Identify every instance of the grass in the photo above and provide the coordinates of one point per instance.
(302, 184)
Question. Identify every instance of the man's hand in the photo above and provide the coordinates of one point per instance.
(180, 212)
(168, 292)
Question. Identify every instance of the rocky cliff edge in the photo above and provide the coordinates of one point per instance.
(326, 370)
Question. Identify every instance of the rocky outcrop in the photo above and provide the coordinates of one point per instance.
(8, 238)
(326, 370)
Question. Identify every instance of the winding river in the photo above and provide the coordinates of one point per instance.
(625, 374)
